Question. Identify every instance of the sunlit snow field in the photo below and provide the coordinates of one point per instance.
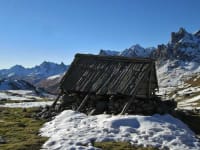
(74, 130)
(24, 99)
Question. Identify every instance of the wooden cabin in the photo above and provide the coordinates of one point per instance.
(95, 84)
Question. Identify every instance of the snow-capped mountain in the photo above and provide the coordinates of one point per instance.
(183, 46)
(133, 51)
(35, 74)
(42, 76)
(137, 51)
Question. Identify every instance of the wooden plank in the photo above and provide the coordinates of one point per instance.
(122, 72)
(58, 97)
(99, 80)
(131, 77)
(83, 102)
(108, 81)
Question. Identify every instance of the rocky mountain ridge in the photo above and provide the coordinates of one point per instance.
(183, 46)
(45, 76)
(33, 75)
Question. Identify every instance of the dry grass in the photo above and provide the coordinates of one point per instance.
(194, 81)
(20, 129)
(120, 146)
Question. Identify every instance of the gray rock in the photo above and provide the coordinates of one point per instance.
(2, 140)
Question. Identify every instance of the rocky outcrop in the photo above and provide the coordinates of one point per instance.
(182, 46)
(176, 36)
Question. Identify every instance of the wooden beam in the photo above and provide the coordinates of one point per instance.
(149, 82)
(83, 102)
(58, 97)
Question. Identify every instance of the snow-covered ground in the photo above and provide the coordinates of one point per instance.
(27, 104)
(55, 76)
(172, 76)
(74, 130)
(24, 98)
(190, 103)
(19, 95)
(173, 73)
(188, 90)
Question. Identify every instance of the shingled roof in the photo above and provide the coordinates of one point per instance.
(110, 75)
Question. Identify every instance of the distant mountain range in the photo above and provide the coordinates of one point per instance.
(13, 77)
(183, 46)
(35, 74)
(181, 52)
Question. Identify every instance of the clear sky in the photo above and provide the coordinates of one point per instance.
(32, 31)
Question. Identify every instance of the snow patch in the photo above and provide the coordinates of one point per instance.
(19, 95)
(54, 77)
(74, 130)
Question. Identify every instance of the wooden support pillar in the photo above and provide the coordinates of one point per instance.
(58, 97)
(149, 83)
(83, 102)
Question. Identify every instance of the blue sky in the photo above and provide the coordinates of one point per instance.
(32, 31)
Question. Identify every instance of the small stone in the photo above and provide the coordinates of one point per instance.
(2, 140)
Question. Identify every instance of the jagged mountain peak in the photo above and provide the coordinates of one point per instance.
(182, 46)
(182, 36)
(176, 36)
(16, 67)
(137, 51)
(47, 63)
(134, 51)
(136, 46)
(197, 33)
(108, 52)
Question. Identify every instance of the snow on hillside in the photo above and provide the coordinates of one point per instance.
(19, 95)
(137, 51)
(74, 130)
(27, 104)
(23, 95)
(133, 51)
(55, 76)
(24, 99)
(172, 73)
(189, 103)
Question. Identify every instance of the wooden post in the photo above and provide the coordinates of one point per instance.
(83, 102)
(149, 82)
(58, 97)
